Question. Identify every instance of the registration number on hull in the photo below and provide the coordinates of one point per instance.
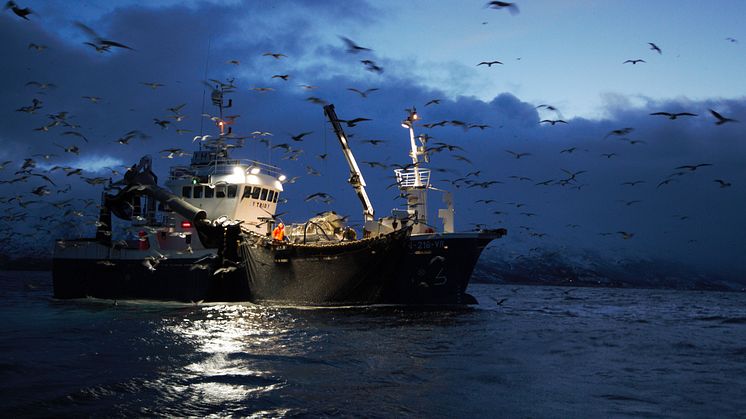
(426, 244)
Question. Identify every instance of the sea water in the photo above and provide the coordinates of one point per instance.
(524, 351)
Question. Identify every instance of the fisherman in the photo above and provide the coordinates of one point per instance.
(279, 232)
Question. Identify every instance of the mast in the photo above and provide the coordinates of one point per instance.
(356, 176)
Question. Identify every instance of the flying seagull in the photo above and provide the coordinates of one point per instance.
(634, 61)
(99, 43)
(352, 47)
(553, 121)
(721, 119)
(517, 155)
(512, 7)
(723, 184)
(655, 47)
(674, 115)
(22, 13)
(363, 93)
(489, 63)
(693, 167)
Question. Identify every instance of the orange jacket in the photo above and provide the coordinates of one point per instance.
(279, 232)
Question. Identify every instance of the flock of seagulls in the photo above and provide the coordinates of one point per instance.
(77, 214)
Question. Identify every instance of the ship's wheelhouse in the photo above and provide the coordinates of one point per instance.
(239, 189)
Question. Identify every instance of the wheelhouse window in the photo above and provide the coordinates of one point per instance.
(246, 192)
(186, 191)
(255, 193)
(277, 196)
(209, 192)
(264, 195)
(232, 190)
(197, 193)
(220, 191)
(271, 195)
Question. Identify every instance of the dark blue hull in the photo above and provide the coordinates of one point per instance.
(430, 269)
(172, 280)
(437, 269)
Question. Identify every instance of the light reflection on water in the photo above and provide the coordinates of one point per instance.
(219, 333)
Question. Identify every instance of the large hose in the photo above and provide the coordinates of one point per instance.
(178, 205)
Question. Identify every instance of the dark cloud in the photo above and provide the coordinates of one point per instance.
(691, 219)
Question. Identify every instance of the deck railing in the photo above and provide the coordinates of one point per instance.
(408, 178)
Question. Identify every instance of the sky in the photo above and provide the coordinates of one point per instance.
(570, 55)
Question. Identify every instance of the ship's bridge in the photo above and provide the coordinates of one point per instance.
(239, 189)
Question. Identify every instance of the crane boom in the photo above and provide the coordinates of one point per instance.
(356, 176)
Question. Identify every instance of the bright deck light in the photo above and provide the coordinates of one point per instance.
(254, 170)
(282, 178)
(237, 170)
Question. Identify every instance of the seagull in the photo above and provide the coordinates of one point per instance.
(201, 137)
(352, 47)
(37, 47)
(721, 119)
(363, 93)
(655, 47)
(517, 155)
(41, 86)
(549, 107)
(553, 121)
(499, 302)
(281, 76)
(77, 134)
(664, 182)
(322, 196)
(371, 66)
(274, 55)
(352, 122)
(630, 203)
(633, 183)
(22, 13)
(316, 100)
(488, 63)
(674, 115)
(568, 150)
(100, 44)
(373, 142)
(433, 102)
(512, 7)
(723, 184)
(625, 235)
(227, 269)
(152, 85)
(300, 136)
(634, 61)
(620, 132)
(374, 164)
(693, 167)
